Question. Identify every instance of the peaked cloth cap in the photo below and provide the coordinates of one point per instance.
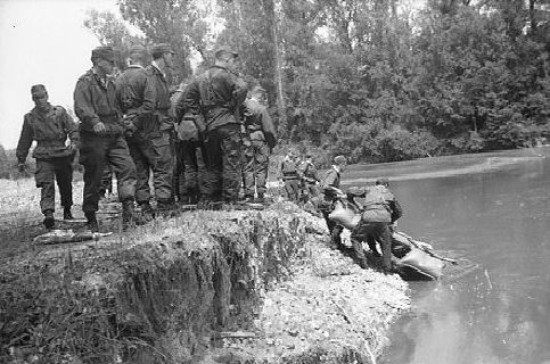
(38, 90)
(104, 52)
(221, 51)
(159, 49)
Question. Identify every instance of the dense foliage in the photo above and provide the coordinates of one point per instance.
(374, 79)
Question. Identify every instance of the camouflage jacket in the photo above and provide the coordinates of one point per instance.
(216, 94)
(50, 130)
(163, 104)
(258, 123)
(95, 101)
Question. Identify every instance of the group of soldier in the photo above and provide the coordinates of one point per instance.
(216, 127)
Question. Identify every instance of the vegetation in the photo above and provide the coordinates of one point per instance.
(372, 78)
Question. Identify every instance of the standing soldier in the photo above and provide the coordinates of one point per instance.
(135, 95)
(288, 174)
(310, 178)
(101, 136)
(158, 133)
(261, 139)
(330, 186)
(217, 94)
(49, 126)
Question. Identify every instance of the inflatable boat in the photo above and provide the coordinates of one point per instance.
(412, 259)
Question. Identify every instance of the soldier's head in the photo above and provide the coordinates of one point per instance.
(225, 57)
(40, 96)
(138, 55)
(163, 54)
(257, 92)
(309, 157)
(340, 162)
(103, 59)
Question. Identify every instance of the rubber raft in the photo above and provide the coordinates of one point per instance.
(413, 260)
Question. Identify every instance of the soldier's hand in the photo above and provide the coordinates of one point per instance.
(74, 145)
(21, 167)
(100, 128)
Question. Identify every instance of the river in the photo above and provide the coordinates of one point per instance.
(494, 210)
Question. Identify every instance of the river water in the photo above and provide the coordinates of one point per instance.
(494, 210)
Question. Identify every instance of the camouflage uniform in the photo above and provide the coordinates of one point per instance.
(310, 177)
(288, 172)
(94, 101)
(331, 180)
(217, 94)
(191, 152)
(135, 95)
(156, 135)
(53, 160)
(260, 139)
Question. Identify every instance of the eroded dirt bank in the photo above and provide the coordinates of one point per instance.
(205, 287)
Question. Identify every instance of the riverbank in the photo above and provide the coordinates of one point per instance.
(224, 287)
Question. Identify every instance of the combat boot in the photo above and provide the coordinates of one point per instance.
(147, 211)
(67, 215)
(92, 224)
(49, 220)
(129, 217)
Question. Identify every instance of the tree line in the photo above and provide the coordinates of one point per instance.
(376, 80)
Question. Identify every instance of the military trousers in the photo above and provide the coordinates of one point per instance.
(95, 153)
(255, 168)
(153, 156)
(373, 232)
(292, 189)
(192, 162)
(49, 171)
(224, 163)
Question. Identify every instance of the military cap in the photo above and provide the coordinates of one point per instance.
(138, 49)
(104, 52)
(339, 160)
(225, 50)
(257, 88)
(383, 181)
(38, 90)
(159, 49)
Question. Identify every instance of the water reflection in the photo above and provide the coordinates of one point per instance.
(500, 312)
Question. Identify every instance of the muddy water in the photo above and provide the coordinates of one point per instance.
(494, 210)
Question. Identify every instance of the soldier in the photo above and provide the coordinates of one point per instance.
(310, 178)
(330, 186)
(135, 95)
(288, 174)
(217, 95)
(261, 138)
(101, 136)
(380, 211)
(191, 150)
(159, 131)
(49, 126)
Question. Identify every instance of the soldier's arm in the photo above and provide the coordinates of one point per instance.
(25, 140)
(397, 210)
(268, 128)
(69, 126)
(83, 106)
(149, 96)
(190, 102)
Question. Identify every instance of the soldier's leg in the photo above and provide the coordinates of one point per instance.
(189, 155)
(138, 153)
(44, 178)
(384, 238)
(64, 177)
(214, 167)
(179, 189)
(231, 148)
(162, 165)
(261, 161)
(93, 158)
(124, 168)
(248, 169)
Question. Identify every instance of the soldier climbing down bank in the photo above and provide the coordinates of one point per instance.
(49, 126)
